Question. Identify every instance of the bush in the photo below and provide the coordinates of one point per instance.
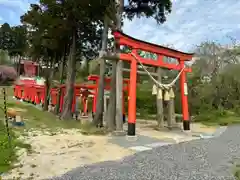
(208, 101)
(8, 150)
(145, 102)
(7, 154)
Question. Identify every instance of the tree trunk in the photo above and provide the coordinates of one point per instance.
(159, 99)
(19, 66)
(56, 111)
(71, 75)
(48, 78)
(119, 76)
(98, 118)
(47, 89)
(174, 122)
(169, 113)
(111, 111)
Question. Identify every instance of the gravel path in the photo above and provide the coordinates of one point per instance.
(208, 159)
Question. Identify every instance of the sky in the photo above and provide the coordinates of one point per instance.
(190, 23)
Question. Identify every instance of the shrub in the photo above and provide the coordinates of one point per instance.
(7, 154)
(145, 102)
(8, 150)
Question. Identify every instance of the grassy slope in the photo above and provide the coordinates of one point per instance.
(34, 119)
(7, 153)
(8, 148)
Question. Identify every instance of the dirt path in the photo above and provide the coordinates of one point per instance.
(55, 154)
(146, 128)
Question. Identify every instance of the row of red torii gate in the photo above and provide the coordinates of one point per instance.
(35, 93)
(29, 91)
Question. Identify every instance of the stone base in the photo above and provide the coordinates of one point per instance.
(160, 128)
(18, 118)
(173, 127)
(131, 138)
(84, 121)
(187, 132)
(119, 133)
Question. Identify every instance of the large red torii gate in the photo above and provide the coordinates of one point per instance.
(135, 45)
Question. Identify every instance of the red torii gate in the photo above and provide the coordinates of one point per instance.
(96, 78)
(135, 45)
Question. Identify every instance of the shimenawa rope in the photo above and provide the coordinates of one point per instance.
(160, 85)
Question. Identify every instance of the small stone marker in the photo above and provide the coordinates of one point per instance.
(140, 148)
(18, 119)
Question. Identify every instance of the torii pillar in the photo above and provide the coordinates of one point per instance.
(184, 98)
(160, 51)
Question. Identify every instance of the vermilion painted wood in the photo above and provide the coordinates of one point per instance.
(124, 39)
(132, 92)
(107, 87)
(36, 93)
(150, 62)
(161, 51)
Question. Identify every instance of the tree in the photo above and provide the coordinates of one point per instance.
(6, 37)
(157, 9)
(84, 24)
(148, 8)
(4, 58)
(98, 118)
(81, 23)
(214, 81)
(213, 57)
(13, 39)
(20, 44)
(76, 23)
(45, 40)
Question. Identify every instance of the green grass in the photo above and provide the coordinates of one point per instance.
(33, 119)
(8, 148)
(37, 119)
(222, 118)
(237, 171)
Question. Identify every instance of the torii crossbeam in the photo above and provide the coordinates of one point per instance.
(160, 51)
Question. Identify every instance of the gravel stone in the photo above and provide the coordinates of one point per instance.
(205, 159)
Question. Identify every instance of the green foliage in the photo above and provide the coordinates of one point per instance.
(89, 129)
(145, 102)
(215, 101)
(220, 93)
(8, 153)
(13, 39)
(237, 171)
(218, 98)
(6, 37)
(4, 58)
(76, 27)
(148, 8)
(54, 23)
(20, 40)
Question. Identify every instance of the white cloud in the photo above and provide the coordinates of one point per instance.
(190, 23)
(11, 10)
